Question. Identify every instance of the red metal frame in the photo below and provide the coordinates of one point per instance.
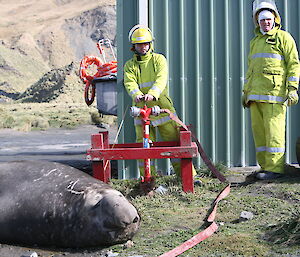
(102, 152)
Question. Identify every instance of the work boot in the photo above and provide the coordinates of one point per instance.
(198, 180)
(268, 175)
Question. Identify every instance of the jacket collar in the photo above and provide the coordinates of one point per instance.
(143, 58)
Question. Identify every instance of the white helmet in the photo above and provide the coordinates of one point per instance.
(259, 5)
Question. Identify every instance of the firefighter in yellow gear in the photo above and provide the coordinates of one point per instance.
(146, 81)
(271, 85)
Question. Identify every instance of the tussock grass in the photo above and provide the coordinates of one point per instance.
(287, 232)
(41, 116)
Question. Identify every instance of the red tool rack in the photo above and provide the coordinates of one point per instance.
(102, 152)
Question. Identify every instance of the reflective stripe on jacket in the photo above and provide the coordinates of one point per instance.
(148, 74)
(273, 66)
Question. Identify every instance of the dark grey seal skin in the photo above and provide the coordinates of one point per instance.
(51, 204)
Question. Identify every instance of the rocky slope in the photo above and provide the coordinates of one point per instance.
(45, 40)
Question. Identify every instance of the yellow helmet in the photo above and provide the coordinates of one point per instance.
(140, 34)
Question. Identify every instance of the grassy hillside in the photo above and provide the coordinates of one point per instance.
(38, 37)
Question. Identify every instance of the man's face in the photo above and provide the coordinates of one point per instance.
(266, 24)
(142, 48)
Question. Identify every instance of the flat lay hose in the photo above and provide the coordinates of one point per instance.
(212, 228)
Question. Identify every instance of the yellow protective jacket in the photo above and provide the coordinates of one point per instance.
(273, 66)
(148, 74)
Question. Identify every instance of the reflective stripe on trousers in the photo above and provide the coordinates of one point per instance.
(270, 149)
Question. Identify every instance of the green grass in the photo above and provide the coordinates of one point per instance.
(169, 220)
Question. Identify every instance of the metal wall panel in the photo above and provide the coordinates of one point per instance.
(206, 43)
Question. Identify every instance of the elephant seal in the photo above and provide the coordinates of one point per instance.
(50, 204)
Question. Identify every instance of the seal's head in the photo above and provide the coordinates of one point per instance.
(115, 219)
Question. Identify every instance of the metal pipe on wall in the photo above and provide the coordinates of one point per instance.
(242, 80)
(212, 81)
(120, 109)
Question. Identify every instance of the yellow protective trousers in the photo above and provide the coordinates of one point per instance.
(168, 131)
(268, 128)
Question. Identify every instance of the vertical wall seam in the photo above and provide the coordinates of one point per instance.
(167, 46)
(213, 81)
(227, 84)
(198, 72)
(288, 113)
(182, 60)
(242, 79)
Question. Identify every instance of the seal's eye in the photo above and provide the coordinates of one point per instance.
(96, 205)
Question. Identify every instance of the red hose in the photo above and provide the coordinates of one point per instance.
(203, 234)
(89, 100)
(192, 241)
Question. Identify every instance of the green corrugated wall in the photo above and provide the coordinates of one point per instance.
(206, 43)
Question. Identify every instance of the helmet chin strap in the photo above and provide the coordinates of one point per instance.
(140, 54)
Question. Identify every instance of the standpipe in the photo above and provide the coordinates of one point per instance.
(144, 113)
